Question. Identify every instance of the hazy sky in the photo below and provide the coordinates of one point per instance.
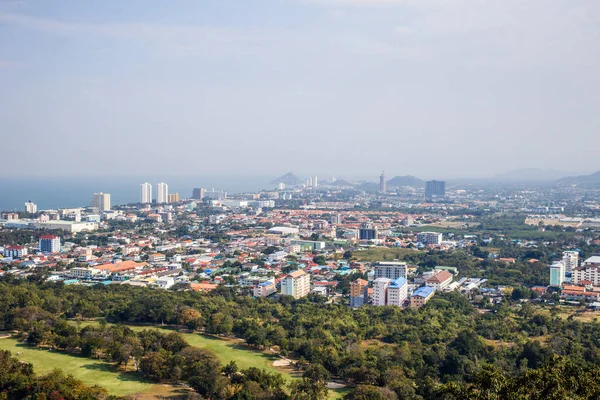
(448, 88)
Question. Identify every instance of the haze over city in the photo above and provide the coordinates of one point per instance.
(340, 87)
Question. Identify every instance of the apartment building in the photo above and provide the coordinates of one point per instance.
(296, 284)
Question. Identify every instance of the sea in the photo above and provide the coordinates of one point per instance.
(55, 193)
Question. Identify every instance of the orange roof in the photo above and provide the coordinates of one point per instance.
(440, 277)
(203, 287)
(297, 274)
(122, 266)
(574, 288)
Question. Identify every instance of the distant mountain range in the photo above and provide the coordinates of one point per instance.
(586, 181)
(531, 175)
(288, 179)
(406, 180)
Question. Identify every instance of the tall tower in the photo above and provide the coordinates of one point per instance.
(146, 193)
(101, 201)
(162, 193)
(382, 182)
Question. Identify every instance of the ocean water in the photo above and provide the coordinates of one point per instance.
(53, 193)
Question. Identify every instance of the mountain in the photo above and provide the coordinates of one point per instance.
(340, 183)
(288, 179)
(531, 175)
(406, 180)
(587, 181)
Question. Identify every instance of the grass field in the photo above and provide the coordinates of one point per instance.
(234, 350)
(373, 254)
(91, 372)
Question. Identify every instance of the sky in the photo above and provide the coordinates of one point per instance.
(432, 88)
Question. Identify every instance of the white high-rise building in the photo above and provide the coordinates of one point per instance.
(571, 260)
(296, 284)
(316, 181)
(101, 201)
(162, 193)
(557, 274)
(391, 270)
(146, 193)
(397, 292)
(30, 207)
(380, 286)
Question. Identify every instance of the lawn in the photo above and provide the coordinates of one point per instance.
(373, 254)
(91, 372)
(118, 383)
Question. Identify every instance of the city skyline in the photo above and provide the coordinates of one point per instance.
(474, 88)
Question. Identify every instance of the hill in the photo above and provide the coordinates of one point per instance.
(288, 179)
(531, 175)
(407, 180)
(586, 181)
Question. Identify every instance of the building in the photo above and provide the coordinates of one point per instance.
(198, 193)
(421, 296)
(571, 260)
(162, 193)
(312, 244)
(382, 184)
(49, 244)
(101, 201)
(15, 251)
(435, 189)
(30, 207)
(296, 284)
(173, 197)
(589, 271)
(380, 286)
(391, 270)
(428, 238)
(397, 292)
(216, 195)
(359, 293)
(264, 289)
(316, 181)
(440, 280)
(557, 274)
(367, 231)
(146, 193)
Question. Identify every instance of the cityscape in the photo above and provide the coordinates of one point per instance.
(299, 200)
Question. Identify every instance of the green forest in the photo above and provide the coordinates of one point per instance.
(447, 349)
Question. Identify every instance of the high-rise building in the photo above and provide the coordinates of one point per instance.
(391, 269)
(429, 238)
(397, 292)
(367, 231)
(435, 189)
(557, 274)
(380, 286)
(162, 193)
(359, 293)
(173, 197)
(316, 181)
(146, 193)
(198, 193)
(101, 201)
(382, 184)
(49, 244)
(216, 195)
(571, 260)
(296, 284)
(30, 207)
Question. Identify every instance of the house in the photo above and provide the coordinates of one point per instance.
(157, 257)
(439, 280)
